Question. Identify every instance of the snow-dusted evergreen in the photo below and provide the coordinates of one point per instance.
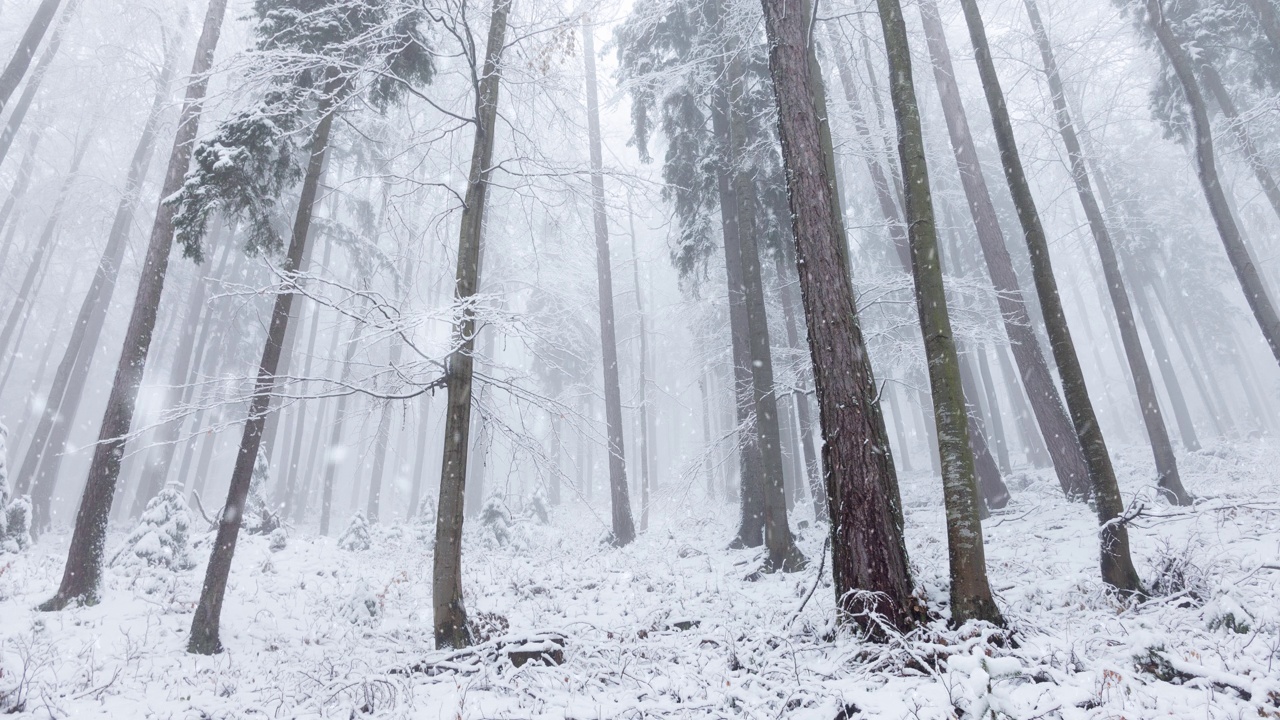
(162, 537)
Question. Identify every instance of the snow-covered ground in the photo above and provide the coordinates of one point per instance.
(317, 631)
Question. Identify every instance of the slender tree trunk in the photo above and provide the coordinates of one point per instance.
(993, 410)
(20, 109)
(288, 495)
(451, 628)
(868, 552)
(205, 623)
(44, 246)
(623, 526)
(1033, 444)
(21, 59)
(970, 592)
(1172, 386)
(16, 192)
(1051, 418)
(420, 460)
(1242, 262)
(995, 494)
(380, 446)
(1211, 399)
(1117, 564)
(645, 478)
(331, 453)
(785, 264)
(1266, 14)
(1213, 82)
(84, 559)
(1161, 446)
(708, 440)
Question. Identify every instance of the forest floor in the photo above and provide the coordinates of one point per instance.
(670, 627)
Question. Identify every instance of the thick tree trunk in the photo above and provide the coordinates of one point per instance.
(206, 621)
(623, 526)
(20, 109)
(1161, 447)
(868, 552)
(21, 59)
(451, 628)
(1242, 262)
(1117, 564)
(84, 559)
(1051, 418)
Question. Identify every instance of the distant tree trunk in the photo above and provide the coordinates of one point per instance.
(750, 460)
(1266, 14)
(40, 466)
(785, 264)
(205, 623)
(1166, 463)
(1213, 400)
(624, 530)
(993, 410)
(1222, 97)
(868, 552)
(44, 245)
(645, 479)
(995, 494)
(330, 453)
(20, 109)
(21, 182)
(1033, 444)
(21, 59)
(1242, 262)
(1051, 418)
(451, 629)
(1171, 384)
(84, 559)
(420, 460)
(1117, 564)
(380, 446)
(22, 329)
(288, 497)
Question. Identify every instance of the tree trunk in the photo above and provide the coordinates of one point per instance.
(37, 77)
(1117, 564)
(21, 182)
(1242, 262)
(44, 246)
(993, 410)
(330, 452)
(868, 552)
(645, 478)
(995, 494)
(39, 472)
(785, 263)
(21, 59)
(205, 623)
(451, 629)
(1046, 405)
(1161, 447)
(624, 530)
(380, 445)
(1213, 82)
(1033, 444)
(84, 559)
(1267, 19)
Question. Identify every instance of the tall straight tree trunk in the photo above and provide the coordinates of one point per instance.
(991, 487)
(451, 628)
(289, 493)
(1116, 562)
(970, 591)
(1242, 262)
(44, 246)
(624, 530)
(645, 438)
(783, 553)
(993, 410)
(708, 441)
(867, 548)
(380, 445)
(39, 471)
(1033, 445)
(1051, 418)
(21, 59)
(84, 559)
(1161, 446)
(1167, 373)
(330, 453)
(20, 109)
(206, 621)
(1213, 400)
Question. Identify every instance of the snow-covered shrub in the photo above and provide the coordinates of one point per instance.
(538, 507)
(983, 679)
(424, 520)
(1224, 612)
(356, 537)
(258, 518)
(16, 536)
(160, 539)
(278, 540)
(495, 518)
(362, 607)
(1177, 573)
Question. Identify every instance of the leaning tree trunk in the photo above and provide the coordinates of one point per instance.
(44, 245)
(205, 623)
(21, 59)
(20, 109)
(1161, 446)
(970, 591)
(1251, 283)
(624, 530)
(1046, 405)
(782, 551)
(1117, 564)
(39, 470)
(84, 559)
(451, 628)
(867, 548)
(1227, 104)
